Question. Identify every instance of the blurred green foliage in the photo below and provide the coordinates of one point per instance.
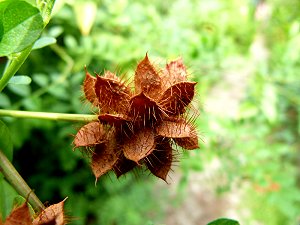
(257, 147)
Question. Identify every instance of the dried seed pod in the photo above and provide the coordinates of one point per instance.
(89, 89)
(112, 76)
(53, 215)
(177, 97)
(19, 216)
(113, 119)
(123, 166)
(89, 135)
(174, 72)
(144, 111)
(146, 79)
(105, 156)
(183, 133)
(160, 161)
(140, 145)
(138, 128)
(113, 96)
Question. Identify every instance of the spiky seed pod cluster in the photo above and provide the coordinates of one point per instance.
(138, 127)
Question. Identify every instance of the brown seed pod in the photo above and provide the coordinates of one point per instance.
(89, 89)
(174, 72)
(144, 111)
(139, 129)
(123, 166)
(140, 145)
(177, 97)
(146, 79)
(113, 96)
(160, 161)
(53, 215)
(89, 135)
(183, 133)
(105, 156)
(19, 216)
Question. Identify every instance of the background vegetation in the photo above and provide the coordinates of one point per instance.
(245, 56)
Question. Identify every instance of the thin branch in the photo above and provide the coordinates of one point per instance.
(18, 183)
(48, 116)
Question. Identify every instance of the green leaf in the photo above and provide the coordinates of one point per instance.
(21, 90)
(269, 102)
(20, 26)
(41, 79)
(43, 42)
(7, 197)
(224, 221)
(20, 79)
(5, 141)
(4, 100)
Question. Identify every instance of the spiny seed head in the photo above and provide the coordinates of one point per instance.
(139, 127)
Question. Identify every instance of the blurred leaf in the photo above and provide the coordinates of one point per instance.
(19, 89)
(298, 120)
(43, 42)
(20, 79)
(59, 92)
(224, 221)
(41, 79)
(8, 195)
(269, 102)
(55, 31)
(85, 12)
(6, 144)
(20, 25)
(4, 100)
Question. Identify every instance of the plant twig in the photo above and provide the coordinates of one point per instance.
(14, 66)
(48, 116)
(15, 179)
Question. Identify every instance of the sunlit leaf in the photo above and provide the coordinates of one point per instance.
(20, 26)
(43, 42)
(20, 79)
(224, 221)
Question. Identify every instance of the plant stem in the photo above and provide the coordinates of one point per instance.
(15, 179)
(48, 116)
(14, 66)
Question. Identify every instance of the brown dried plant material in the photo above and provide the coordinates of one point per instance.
(117, 120)
(183, 133)
(112, 76)
(123, 166)
(144, 110)
(176, 98)
(160, 162)
(19, 216)
(143, 124)
(89, 90)
(174, 72)
(105, 155)
(89, 135)
(53, 215)
(147, 79)
(113, 96)
(140, 145)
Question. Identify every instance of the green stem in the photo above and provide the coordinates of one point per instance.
(15, 179)
(14, 66)
(48, 116)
